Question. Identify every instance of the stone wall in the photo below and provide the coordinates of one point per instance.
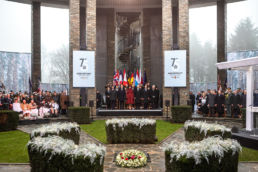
(152, 44)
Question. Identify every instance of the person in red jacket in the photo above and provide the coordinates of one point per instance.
(130, 97)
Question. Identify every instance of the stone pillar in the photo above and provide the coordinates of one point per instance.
(35, 45)
(183, 43)
(146, 13)
(91, 41)
(110, 44)
(167, 42)
(74, 15)
(222, 38)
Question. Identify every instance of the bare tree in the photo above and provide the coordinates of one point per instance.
(59, 68)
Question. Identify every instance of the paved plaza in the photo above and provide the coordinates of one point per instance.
(156, 154)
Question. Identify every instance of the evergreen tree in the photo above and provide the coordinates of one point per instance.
(245, 37)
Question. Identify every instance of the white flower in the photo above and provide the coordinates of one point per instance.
(58, 145)
(205, 148)
(55, 128)
(122, 122)
(205, 127)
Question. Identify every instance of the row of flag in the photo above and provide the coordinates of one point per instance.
(133, 79)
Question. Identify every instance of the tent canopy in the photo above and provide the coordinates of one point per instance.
(243, 64)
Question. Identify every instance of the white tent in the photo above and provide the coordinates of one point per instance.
(249, 65)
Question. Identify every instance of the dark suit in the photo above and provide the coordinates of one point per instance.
(220, 101)
(107, 93)
(236, 101)
(121, 96)
(113, 96)
(137, 96)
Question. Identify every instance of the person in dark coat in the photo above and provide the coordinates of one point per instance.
(236, 101)
(220, 101)
(211, 103)
(121, 97)
(107, 93)
(154, 97)
(137, 96)
(98, 99)
(192, 100)
(203, 104)
(145, 96)
(113, 96)
(157, 97)
(243, 99)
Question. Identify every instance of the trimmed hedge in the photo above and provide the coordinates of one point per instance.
(131, 132)
(65, 130)
(180, 114)
(228, 163)
(8, 120)
(198, 130)
(58, 155)
(81, 115)
(218, 155)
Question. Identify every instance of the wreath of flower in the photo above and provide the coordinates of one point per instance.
(131, 159)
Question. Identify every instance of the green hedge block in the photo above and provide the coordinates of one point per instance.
(180, 114)
(51, 160)
(8, 120)
(195, 134)
(228, 163)
(81, 115)
(131, 134)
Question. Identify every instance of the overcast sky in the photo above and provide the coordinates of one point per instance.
(15, 24)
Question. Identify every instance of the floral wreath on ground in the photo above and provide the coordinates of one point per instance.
(131, 159)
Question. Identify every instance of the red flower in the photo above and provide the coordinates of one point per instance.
(122, 157)
(132, 157)
(126, 158)
(121, 153)
(139, 157)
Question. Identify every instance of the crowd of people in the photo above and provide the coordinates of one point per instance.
(36, 105)
(215, 103)
(118, 96)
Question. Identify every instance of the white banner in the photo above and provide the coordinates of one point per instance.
(175, 68)
(83, 69)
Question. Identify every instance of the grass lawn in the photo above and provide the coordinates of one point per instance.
(13, 143)
(13, 147)
(97, 129)
(248, 154)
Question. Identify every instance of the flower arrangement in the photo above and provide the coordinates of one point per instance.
(212, 153)
(54, 152)
(131, 130)
(198, 130)
(123, 122)
(131, 159)
(67, 130)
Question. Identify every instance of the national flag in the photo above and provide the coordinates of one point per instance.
(125, 79)
(132, 79)
(116, 78)
(144, 78)
(120, 77)
(140, 77)
(137, 78)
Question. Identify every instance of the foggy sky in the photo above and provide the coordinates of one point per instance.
(15, 24)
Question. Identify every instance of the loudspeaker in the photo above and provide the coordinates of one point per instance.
(91, 103)
(167, 103)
